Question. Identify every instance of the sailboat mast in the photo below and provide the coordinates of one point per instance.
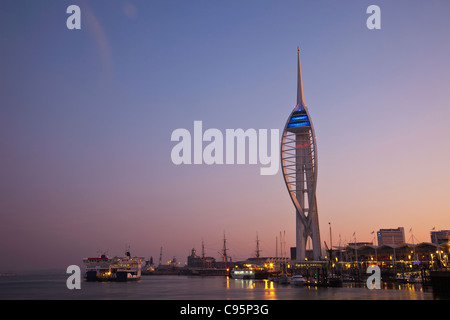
(203, 255)
(276, 247)
(257, 248)
(225, 258)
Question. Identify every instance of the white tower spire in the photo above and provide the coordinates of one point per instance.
(300, 94)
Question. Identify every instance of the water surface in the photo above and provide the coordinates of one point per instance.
(52, 286)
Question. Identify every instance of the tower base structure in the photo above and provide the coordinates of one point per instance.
(302, 236)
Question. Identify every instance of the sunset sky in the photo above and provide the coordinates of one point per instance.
(86, 118)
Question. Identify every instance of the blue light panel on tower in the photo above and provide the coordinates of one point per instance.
(299, 118)
(299, 124)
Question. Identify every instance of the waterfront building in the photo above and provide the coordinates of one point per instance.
(391, 237)
(424, 253)
(440, 237)
(299, 165)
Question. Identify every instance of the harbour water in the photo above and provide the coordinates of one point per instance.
(52, 286)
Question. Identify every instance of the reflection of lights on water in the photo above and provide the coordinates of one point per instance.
(265, 284)
(269, 289)
(403, 287)
(268, 285)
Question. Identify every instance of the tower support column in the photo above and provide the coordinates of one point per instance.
(301, 239)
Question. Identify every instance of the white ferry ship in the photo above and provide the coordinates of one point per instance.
(103, 268)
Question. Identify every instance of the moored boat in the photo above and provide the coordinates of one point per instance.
(298, 280)
(243, 274)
